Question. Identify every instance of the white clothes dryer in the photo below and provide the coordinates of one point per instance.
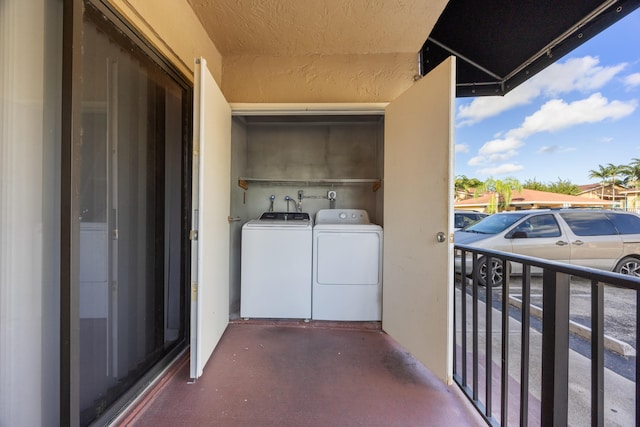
(275, 270)
(347, 266)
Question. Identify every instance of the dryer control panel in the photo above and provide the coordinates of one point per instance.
(342, 216)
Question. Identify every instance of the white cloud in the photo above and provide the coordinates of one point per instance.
(503, 169)
(575, 74)
(582, 74)
(492, 159)
(553, 116)
(557, 114)
(500, 145)
(632, 80)
(495, 151)
(501, 157)
(488, 106)
(606, 139)
(550, 149)
(462, 148)
(477, 161)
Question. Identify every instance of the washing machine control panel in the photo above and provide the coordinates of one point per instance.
(285, 216)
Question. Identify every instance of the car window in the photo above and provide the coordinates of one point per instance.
(538, 226)
(464, 219)
(625, 223)
(589, 223)
(495, 223)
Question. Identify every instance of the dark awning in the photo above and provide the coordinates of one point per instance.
(502, 43)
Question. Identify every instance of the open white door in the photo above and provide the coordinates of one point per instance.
(418, 192)
(211, 206)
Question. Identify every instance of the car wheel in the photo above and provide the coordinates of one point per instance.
(629, 265)
(494, 276)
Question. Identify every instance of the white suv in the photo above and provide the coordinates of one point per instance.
(608, 240)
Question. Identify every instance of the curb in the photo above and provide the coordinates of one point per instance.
(610, 343)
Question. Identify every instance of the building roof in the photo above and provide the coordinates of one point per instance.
(535, 198)
(588, 187)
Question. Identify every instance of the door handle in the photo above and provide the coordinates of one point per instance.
(441, 237)
(578, 242)
(561, 243)
(231, 219)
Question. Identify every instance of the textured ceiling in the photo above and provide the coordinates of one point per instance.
(317, 27)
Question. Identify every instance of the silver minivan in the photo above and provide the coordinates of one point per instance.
(603, 239)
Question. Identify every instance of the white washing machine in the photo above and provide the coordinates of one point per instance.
(275, 279)
(347, 266)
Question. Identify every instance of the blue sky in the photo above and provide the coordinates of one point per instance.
(581, 112)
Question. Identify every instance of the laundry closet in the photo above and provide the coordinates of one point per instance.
(392, 160)
(316, 161)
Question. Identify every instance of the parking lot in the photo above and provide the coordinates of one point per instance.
(619, 319)
(620, 316)
(619, 306)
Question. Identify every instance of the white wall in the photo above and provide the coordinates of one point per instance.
(30, 76)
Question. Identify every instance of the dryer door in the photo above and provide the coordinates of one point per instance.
(418, 213)
(348, 258)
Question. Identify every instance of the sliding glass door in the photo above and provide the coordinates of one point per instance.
(131, 224)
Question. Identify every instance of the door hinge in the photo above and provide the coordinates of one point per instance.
(193, 235)
(194, 291)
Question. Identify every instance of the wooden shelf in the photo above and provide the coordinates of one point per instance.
(375, 182)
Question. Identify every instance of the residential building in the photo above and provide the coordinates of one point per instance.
(631, 200)
(533, 199)
(612, 192)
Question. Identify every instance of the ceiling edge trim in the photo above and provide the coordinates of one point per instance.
(301, 109)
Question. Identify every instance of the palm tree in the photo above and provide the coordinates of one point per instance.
(501, 192)
(603, 173)
(464, 185)
(615, 171)
(632, 173)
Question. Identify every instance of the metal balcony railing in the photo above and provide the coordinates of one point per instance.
(494, 346)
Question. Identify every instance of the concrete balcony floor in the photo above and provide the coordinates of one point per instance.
(288, 373)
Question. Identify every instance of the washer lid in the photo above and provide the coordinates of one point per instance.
(298, 220)
(285, 216)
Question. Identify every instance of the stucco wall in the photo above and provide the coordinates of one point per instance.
(173, 28)
(318, 78)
